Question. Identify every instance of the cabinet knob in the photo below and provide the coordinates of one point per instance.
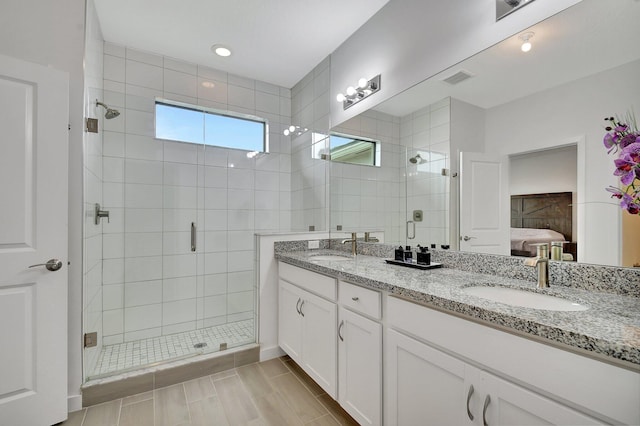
(355, 298)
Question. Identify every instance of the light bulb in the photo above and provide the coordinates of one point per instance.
(292, 128)
(363, 82)
(340, 97)
(286, 132)
(221, 50)
(526, 44)
(351, 91)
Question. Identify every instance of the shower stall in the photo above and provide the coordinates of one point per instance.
(169, 264)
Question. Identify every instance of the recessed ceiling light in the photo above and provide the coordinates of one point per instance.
(208, 84)
(221, 50)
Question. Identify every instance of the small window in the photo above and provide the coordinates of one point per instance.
(354, 150)
(187, 123)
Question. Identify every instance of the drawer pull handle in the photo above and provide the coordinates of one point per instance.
(487, 401)
(301, 305)
(355, 298)
(340, 328)
(469, 399)
(297, 308)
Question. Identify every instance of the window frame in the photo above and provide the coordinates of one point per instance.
(213, 111)
(377, 147)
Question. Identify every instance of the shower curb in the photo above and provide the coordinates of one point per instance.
(147, 379)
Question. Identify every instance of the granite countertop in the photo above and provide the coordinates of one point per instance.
(609, 328)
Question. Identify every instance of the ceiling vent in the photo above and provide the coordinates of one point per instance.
(458, 77)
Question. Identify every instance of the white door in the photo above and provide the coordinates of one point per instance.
(424, 386)
(510, 404)
(33, 229)
(319, 342)
(360, 367)
(290, 320)
(485, 204)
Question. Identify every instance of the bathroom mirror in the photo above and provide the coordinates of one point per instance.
(516, 106)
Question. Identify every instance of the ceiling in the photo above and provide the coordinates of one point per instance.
(275, 41)
(587, 38)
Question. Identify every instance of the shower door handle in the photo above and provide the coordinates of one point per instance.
(414, 230)
(193, 236)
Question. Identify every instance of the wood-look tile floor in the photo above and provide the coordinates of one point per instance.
(275, 392)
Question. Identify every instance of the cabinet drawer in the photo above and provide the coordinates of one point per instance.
(316, 283)
(360, 299)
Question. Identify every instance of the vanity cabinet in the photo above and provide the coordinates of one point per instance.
(432, 360)
(360, 353)
(307, 324)
(426, 383)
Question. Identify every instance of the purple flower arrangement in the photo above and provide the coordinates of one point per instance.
(624, 137)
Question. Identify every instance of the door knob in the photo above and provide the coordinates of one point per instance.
(467, 238)
(51, 265)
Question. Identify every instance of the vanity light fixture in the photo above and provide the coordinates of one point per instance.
(221, 50)
(294, 130)
(526, 44)
(364, 89)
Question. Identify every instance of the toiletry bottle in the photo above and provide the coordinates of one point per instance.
(408, 255)
(399, 254)
(423, 256)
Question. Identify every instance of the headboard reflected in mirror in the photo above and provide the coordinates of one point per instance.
(541, 218)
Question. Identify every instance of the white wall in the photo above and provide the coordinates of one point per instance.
(309, 176)
(52, 34)
(544, 171)
(408, 41)
(563, 115)
(368, 198)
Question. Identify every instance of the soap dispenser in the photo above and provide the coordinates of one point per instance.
(423, 256)
(408, 254)
(399, 254)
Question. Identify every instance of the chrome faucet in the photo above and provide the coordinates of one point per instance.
(541, 263)
(353, 241)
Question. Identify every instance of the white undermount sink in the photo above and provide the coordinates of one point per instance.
(524, 298)
(329, 257)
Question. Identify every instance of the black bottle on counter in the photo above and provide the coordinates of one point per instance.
(399, 254)
(408, 255)
(423, 256)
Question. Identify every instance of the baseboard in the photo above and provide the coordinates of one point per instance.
(74, 403)
(270, 353)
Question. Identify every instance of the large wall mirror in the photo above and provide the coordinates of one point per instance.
(505, 140)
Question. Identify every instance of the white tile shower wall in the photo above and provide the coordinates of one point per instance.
(308, 192)
(368, 198)
(426, 132)
(93, 297)
(153, 284)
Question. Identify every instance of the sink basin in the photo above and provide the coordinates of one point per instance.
(329, 257)
(524, 298)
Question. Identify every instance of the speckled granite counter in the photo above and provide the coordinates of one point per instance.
(609, 328)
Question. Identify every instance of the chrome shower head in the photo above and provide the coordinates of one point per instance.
(111, 113)
(416, 160)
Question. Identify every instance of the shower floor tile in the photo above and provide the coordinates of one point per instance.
(131, 355)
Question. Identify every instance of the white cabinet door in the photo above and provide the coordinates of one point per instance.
(34, 138)
(424, 386)
(290, 320)
(510, 404)
(360, 367)
(319, 341)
